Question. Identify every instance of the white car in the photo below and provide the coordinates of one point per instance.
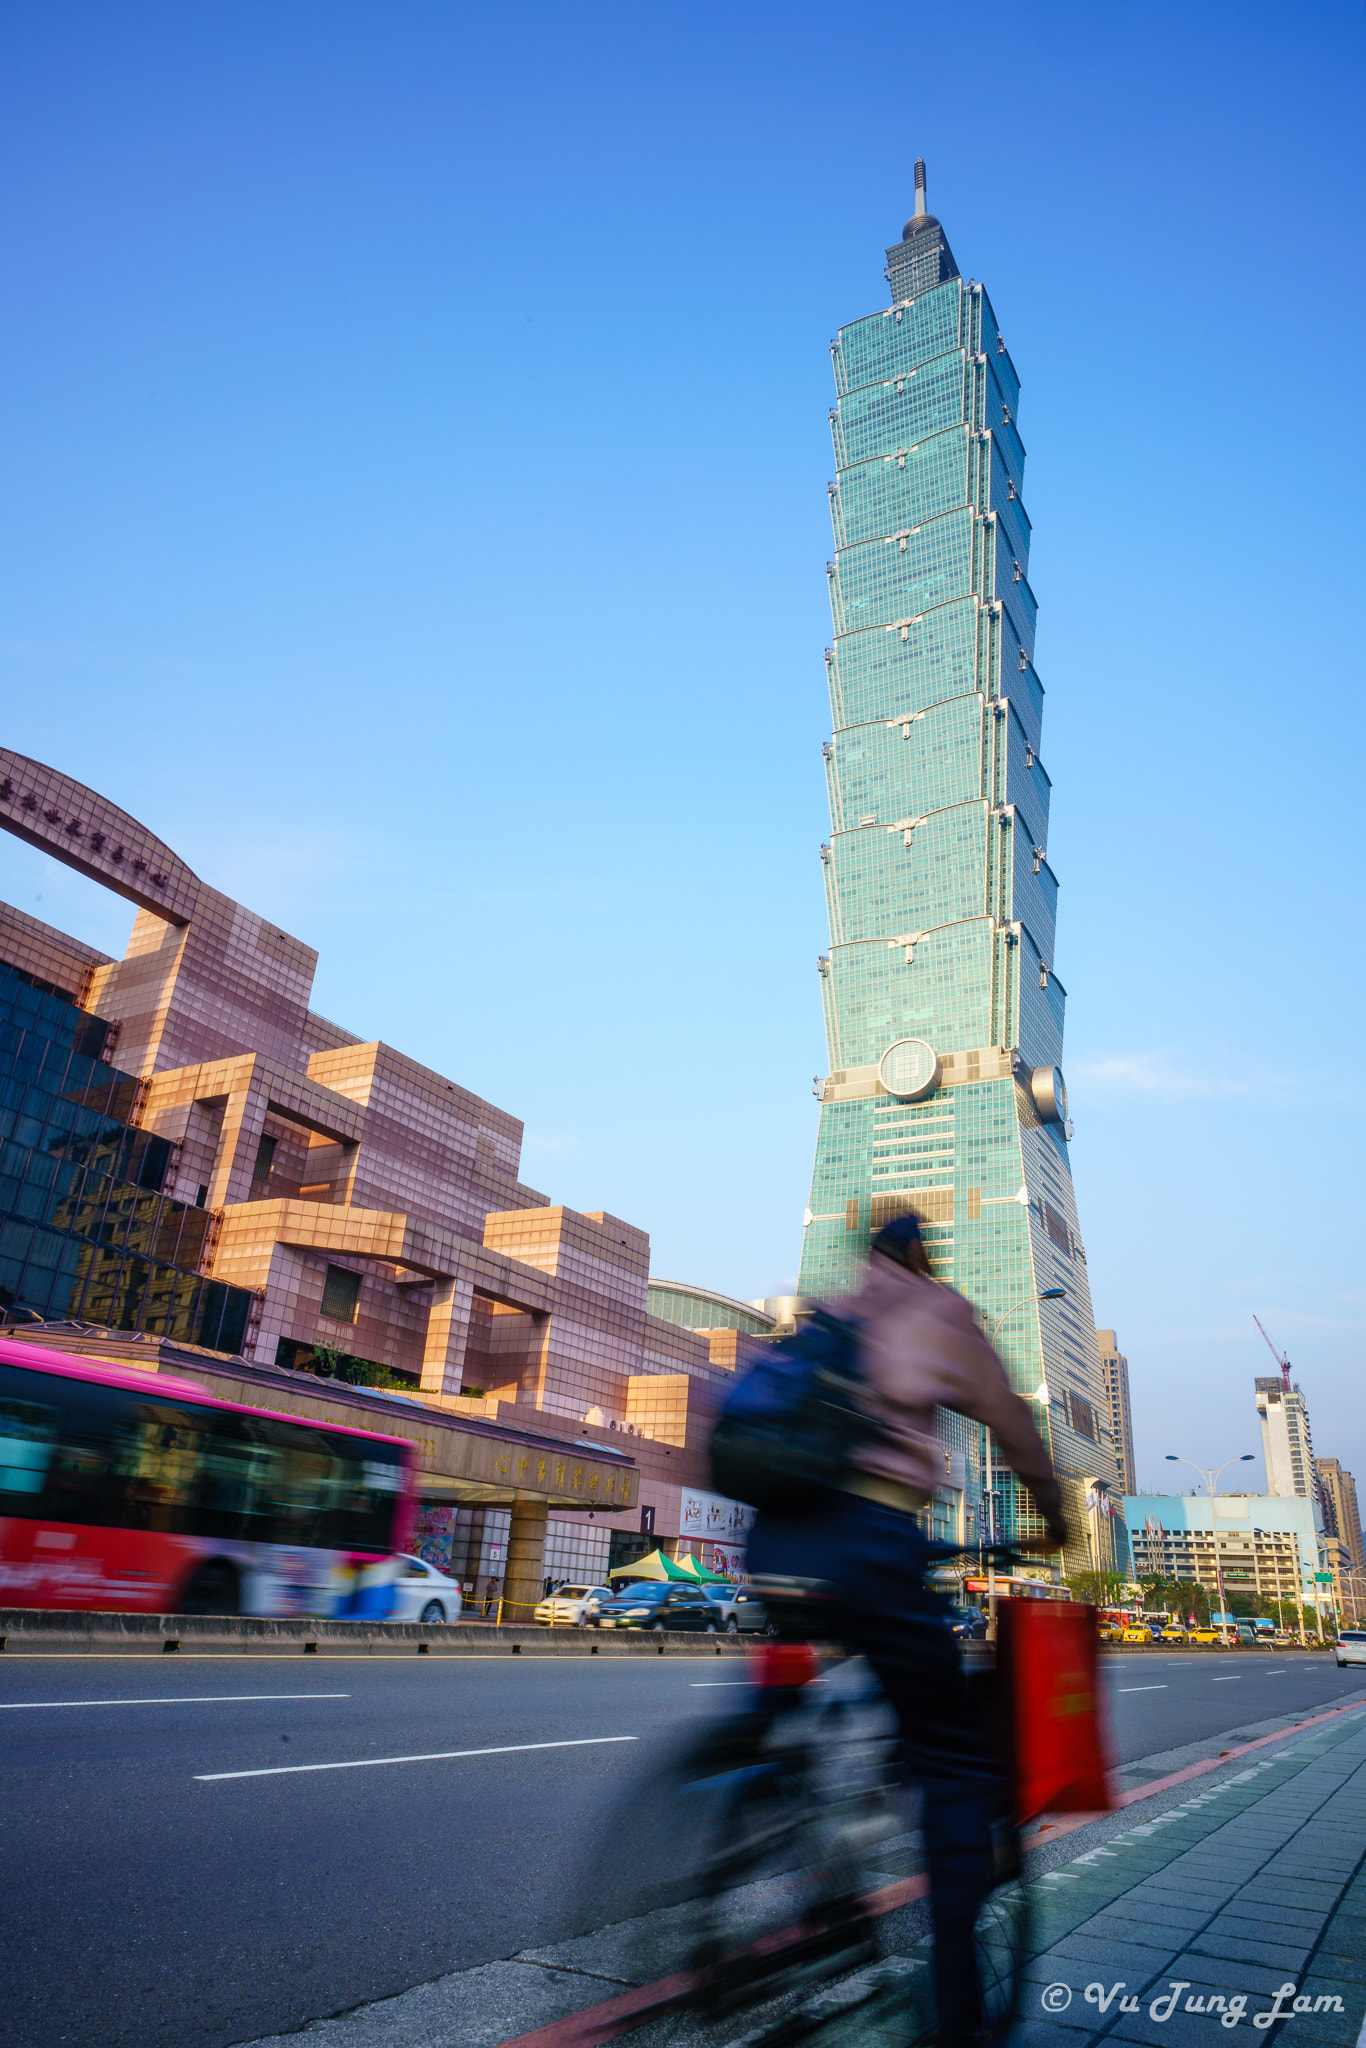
(571, 1606)
(1351, 1647)
(422, 1593)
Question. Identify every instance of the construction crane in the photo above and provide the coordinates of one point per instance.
(1280, 1357)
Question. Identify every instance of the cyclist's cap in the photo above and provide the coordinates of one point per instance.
(895, 1238)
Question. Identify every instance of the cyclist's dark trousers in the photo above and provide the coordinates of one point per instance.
(877, 1557)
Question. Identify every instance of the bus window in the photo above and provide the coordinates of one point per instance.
(154, 1467)
(297, 1481)
(28, 1430)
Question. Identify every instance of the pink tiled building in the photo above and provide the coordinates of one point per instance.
(371, 1207)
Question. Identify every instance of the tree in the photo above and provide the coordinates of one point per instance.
(356, 1372)
(1100, 1589)
(1181, 1597)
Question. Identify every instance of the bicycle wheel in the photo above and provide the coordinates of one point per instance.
(761, 1832)
(1001, 1938)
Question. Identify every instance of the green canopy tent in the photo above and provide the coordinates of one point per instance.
(699, 1571)
(655, 1566)
(658, 1566)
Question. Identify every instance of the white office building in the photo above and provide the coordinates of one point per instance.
(1265, 1544)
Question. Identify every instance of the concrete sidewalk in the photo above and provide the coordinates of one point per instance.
(1250, 1892)
(1246, 1883)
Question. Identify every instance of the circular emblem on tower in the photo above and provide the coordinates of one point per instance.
(910, 1070)
(1049, 1090)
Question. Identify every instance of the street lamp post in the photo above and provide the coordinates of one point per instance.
(1209, 1474)
(992, 1324)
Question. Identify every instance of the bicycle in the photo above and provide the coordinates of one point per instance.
(791, 1862)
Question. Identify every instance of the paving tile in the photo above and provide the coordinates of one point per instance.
(1241, 1917)
(1335, 1960)
(1182, 2030)
(1176, 1920)
(1115, 1953)
(1059, 2031)
(1231, 1948)
(1307, 1892)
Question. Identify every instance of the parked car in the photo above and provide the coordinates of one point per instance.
(1136, 1632)
(422, 1593)
(1109, 1632)
(1172, 1633)
(571, 1606)
(1206, 1634)
(739, 1608)
(1350, 1647)
(660, 1607)
(750, 1613)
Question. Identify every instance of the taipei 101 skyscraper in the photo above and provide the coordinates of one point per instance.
(943, 1013)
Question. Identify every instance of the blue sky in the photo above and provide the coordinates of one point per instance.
(414, 511)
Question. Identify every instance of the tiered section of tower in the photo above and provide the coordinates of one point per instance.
(941, 899)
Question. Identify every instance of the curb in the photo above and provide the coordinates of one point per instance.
(49, 1632)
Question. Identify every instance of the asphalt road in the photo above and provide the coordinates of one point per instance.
(176, 1879)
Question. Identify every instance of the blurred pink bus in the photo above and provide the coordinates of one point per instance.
(133, 1491)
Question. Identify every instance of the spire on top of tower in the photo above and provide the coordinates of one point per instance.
(922, 218)
(922, 258)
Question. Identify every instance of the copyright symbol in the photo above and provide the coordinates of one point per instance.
(1057, 1998)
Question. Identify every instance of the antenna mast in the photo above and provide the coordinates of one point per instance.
(1280, 1357)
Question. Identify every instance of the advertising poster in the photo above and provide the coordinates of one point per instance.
(432, 1533)
(712, 1516)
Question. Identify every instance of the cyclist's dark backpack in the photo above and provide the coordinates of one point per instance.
(786, 1436)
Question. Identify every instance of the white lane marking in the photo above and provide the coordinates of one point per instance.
(1143, 1688)
(189, 1699)
(431, 1756)
(711, 1684)
(1234, 1678)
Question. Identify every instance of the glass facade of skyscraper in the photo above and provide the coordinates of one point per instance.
(943, 1014)
(86, 1233)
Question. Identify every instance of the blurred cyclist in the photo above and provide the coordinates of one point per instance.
(919, 1348)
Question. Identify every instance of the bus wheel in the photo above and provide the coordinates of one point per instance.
(212, 1590)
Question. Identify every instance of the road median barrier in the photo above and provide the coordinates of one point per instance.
(52, 1632)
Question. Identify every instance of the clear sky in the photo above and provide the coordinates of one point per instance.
(414, 511)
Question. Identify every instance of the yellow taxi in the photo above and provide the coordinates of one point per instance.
(1206, 1635)
(1109, 1632)
(1134, 1633)
(1173, 1633)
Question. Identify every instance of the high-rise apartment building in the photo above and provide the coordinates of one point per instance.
(943, 1014)
(1114, 1372)
(1286, 1443)
(1342, 1525)
(1341, 1515)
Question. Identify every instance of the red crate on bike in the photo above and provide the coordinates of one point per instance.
(1047, 1658)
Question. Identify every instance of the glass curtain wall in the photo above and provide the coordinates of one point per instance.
(86, 1235)
(940, 896)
